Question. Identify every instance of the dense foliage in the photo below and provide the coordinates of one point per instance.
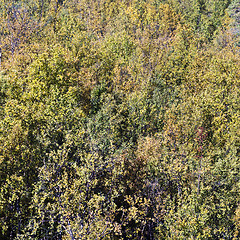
(119, 119)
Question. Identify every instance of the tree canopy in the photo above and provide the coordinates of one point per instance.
(119, 119)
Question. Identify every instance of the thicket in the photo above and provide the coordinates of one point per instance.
(119, 119)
